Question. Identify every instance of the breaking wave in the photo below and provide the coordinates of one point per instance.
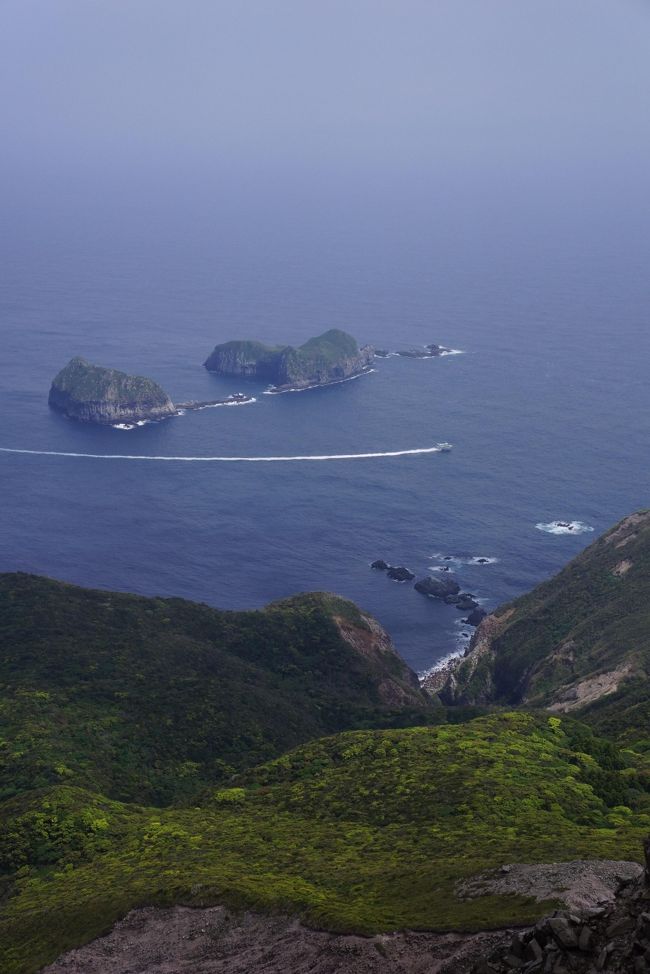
(564, 527)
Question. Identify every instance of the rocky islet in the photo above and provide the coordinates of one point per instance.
(94, 394)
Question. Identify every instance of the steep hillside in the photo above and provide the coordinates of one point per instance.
(364, 831)
(152, 699)
(579, 643)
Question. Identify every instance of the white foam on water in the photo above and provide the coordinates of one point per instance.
(452, 351)
(479, 561)
(462, 642)
(228, 402)
(273, 391)
(420, 451)
(564, 527)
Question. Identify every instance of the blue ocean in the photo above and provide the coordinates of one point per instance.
(547, 407)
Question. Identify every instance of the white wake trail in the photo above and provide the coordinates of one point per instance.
(126, 456)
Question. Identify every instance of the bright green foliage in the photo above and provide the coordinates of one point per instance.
(366, 830)
(154, 700)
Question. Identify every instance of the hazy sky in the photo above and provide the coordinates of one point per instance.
(346, 87)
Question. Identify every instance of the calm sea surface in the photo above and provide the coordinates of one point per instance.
(548, 409)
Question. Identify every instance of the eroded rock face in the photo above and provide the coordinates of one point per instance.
(93, 394)
(331, 357)
(399, 686)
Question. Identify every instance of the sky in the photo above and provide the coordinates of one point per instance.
(103, 93)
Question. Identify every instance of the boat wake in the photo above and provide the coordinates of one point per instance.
(420, 451)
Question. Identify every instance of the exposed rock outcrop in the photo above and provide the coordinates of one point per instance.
(613, 937)
(397, 684)
(331, 357)
(94, 394)
(179, 940)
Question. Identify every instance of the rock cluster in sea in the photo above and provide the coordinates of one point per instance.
(436, 587)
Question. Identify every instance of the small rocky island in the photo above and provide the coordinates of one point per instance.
(426, 351)
(93, 394)
(331, 357)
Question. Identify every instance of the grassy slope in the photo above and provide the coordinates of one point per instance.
(586, 621)
(366, 831)
(150, 700)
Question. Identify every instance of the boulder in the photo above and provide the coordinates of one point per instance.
(380, 565)
(400, 574)
(437, 588)
(476, 616)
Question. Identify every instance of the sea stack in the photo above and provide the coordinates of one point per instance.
(93, 394)
(329, 358)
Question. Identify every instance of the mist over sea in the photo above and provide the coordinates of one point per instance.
(548, 409)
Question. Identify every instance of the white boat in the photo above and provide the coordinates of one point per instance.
(444, 447)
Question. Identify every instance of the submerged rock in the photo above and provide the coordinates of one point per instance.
(380, 565)
(464, 602)
(94, 394)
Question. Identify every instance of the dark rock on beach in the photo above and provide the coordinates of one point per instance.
(400, 574)
(437, 588)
